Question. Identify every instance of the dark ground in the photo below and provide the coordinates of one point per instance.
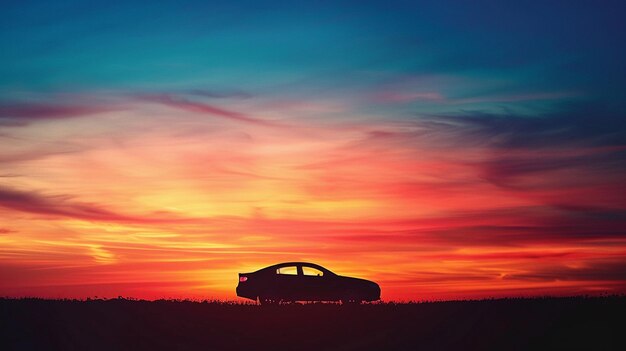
(506, 324)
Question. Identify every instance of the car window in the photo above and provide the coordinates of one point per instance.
(312, 271)
(289, 270)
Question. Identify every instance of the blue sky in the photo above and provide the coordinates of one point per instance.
(485, 48)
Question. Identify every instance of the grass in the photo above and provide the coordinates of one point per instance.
(591, 323)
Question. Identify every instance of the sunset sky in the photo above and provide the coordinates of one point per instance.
(460, 149)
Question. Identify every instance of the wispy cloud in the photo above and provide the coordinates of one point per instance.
(595, 270)
(404, 97)
(510, 98)
(25, 112)
(218, 94)
(574, 125)
(203, 108)
(63, 206)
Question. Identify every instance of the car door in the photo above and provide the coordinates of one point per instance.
(287, 283)
(314, 282)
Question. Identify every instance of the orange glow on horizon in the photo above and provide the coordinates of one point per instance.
(160, 201)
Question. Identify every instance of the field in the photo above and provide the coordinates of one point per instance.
(504, 324)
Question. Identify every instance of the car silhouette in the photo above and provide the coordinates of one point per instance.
(302, 281)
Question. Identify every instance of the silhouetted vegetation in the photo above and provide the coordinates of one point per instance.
(590, 323)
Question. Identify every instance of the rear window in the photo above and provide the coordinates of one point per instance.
(312, 271)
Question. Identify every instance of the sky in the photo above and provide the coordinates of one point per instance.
(444, 149)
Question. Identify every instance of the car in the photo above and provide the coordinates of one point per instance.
(303, 281)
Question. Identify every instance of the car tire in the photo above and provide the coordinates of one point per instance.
(267, 301)
(351, 298)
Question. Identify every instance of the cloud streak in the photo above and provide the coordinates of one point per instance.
(595, 271)
(56, 206)
(22, 112)
(203, 108)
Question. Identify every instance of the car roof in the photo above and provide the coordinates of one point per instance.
(287, 264)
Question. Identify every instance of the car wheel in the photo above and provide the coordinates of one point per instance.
(351, 299)
(266, 301)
